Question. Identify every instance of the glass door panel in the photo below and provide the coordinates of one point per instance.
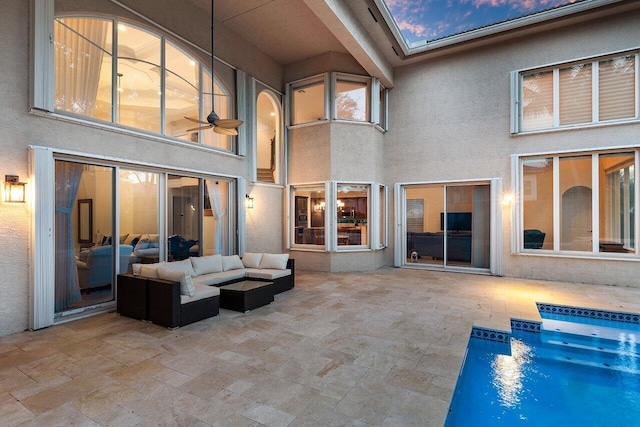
(83, 235)
(183, 217)
(215, 222)
(139, 218)
(467, 225)
(425, 235)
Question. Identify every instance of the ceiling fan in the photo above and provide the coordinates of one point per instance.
(219, 126)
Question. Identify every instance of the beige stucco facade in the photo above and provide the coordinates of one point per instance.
(449, 120)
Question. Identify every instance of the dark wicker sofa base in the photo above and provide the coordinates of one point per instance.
(158, 301)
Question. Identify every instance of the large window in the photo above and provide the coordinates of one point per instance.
(579, 203)
(587, 92)
(339, 216)
(155, 85)
(308, 101)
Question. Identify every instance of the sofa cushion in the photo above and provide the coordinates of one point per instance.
(201, 292)
(143, 243)
(150, 270)
(274, 261)
(182, 265)
(186, 284)
(206, 264)
(251, 260)
(267, 273)
(135, 268)
(217, 278)
(123, 237)
(231, 262)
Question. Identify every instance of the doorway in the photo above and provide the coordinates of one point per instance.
(447, 225)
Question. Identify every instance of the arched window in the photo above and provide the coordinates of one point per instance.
(268, 136)
(154, 85)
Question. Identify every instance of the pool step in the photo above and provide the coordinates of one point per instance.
(590, 345)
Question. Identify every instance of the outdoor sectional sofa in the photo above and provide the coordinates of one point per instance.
(175, 294)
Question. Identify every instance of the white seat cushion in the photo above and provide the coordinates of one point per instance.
(267, 274)
(183, 265)
(187, 287)
(217, 278)
(201, 292)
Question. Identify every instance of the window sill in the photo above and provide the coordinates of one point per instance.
(130, 132)
(633, 121)
(601, 256)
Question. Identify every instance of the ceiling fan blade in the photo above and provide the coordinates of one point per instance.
(223, 131)
(198, 128)
(228, 123)
(191, 119)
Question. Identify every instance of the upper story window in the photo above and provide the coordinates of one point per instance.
(352, 98)
(583, 93)
(118, 72)
(308, 100)
(341, 97)
(269, 158)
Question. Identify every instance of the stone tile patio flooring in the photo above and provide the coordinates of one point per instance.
(380, 348)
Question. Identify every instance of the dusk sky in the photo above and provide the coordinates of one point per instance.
(434, 19)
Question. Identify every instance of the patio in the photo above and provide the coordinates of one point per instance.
(379, 348)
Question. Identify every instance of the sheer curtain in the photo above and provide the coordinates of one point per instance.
(67, 286)
(219, 196)
(80, 49)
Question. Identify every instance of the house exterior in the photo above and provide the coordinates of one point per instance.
(510, 153)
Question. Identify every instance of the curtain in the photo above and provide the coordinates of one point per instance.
(67, 181)
(219, 196)
(80, 48)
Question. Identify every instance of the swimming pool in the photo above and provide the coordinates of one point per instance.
(578, 367)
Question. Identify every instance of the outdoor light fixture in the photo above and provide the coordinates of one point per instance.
(14, 190)
(248, 202)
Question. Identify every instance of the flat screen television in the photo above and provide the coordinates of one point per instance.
(456, 221)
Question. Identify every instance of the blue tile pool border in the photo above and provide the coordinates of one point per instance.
(616, 316)
(494, 335)
(526, 325)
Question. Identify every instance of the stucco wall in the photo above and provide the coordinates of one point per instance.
(20, 129)
(449, 120)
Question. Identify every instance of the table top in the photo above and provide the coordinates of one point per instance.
(245, 285)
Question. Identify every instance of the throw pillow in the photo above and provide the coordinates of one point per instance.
(143, 243)
(130, 239)
(183, 265)
(231, 262)
(251, 260)
(186, 284)
(123, 237)
(207, 264)
(274, 261)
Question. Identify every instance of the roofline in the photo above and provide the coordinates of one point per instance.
(536, 18)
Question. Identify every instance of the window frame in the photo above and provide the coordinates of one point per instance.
(43, 75)
(516, 93)
(517, 242)
(337, 78)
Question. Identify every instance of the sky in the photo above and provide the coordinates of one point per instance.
(434, 19)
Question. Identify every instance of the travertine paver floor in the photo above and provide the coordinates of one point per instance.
(379, 348)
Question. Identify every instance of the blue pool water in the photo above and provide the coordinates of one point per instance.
(572, 371)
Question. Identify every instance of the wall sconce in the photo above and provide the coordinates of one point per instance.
(14, 190)
(507, 199)
(248, 202)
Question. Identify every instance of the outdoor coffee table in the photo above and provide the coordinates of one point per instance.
(246, 295)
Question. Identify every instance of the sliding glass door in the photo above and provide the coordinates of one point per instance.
(448, 225)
